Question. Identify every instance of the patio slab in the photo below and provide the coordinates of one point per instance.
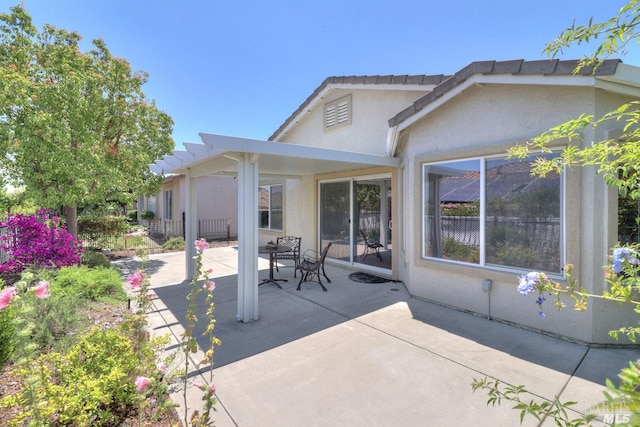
(368, 354)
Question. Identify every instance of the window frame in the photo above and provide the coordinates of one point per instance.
(482, 262)
(270, 210)
(168, 205)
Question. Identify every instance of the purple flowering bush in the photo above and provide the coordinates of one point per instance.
(32, 241)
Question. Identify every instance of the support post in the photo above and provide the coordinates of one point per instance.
(247, 238)
(190, 228)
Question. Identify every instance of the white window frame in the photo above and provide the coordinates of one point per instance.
(269, 210)
(337, 113)
(482, 262)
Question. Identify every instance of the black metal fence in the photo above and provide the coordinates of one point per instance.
(153, 234)
(541, 234)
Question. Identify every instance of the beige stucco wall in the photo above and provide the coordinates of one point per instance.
(371, 110)
(484, 121)
(217, 197)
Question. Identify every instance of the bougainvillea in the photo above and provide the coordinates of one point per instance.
(38, 241)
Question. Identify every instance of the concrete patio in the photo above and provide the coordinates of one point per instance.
(366, 354)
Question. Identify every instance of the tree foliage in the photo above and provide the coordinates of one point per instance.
(617, 158)
(76, 126)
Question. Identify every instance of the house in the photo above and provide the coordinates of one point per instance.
(217, 207)
(420, 164)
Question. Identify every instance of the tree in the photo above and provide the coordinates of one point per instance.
(75, 127)
(616, 159)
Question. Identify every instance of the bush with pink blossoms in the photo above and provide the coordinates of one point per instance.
(33, 241)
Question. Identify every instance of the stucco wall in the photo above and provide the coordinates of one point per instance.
(371, 110)
(217, 197)
(484, 121)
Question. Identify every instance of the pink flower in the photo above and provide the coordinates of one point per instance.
(210, 271)
(198, 384)
(142, 383)
(162, 367)
(41, 289)
(7, 295)
(151, 295)
(210, 285)
(135, 280)
(212, 388)
(201, 245)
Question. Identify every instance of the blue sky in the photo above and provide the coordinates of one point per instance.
(241, 67)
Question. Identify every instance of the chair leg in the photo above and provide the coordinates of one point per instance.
(378, 254)
(325, 274)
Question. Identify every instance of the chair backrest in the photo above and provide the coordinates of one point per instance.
(324, 252)
(292, 242)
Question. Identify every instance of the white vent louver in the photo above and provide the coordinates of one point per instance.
(337, 113)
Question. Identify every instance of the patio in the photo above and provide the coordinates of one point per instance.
(367, 354)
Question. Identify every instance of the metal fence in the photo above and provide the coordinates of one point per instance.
(155, 233)
(212, 228)
(542, 234)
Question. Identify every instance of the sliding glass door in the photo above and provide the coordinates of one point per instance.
(355, 215)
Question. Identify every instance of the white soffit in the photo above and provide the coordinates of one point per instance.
(216, 154)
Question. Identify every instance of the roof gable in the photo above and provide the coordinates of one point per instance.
(551, 67)
(397, 82)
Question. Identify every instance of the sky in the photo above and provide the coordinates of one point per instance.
(242, 67)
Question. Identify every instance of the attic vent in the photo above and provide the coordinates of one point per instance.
(337, 113)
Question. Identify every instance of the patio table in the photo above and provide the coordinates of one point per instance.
(272, 251)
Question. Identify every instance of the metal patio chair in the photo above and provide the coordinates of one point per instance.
(370, 247)
(293, 243)
(312, 266)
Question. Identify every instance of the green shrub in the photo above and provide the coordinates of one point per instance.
(174, 244)
(89, 283)
(92, 384)
(7, 335)
(147, 215)
(94, 259)
(132, 215)
(45, 324)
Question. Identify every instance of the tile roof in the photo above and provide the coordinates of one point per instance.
(546, 67)
(444, 83)
(420, 79)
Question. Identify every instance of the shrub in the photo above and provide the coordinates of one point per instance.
(132, 215)
(92, 384)
(45, 324)
(174, 244)
(32, 241)
(94, 259)
(7, 335)
(88, 283)
(149, 215)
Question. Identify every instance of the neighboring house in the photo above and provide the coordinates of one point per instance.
(419, 163)
(218, 201)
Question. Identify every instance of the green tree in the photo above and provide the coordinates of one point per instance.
(616, 159)
(76, 126)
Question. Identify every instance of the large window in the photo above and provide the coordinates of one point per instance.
(270, 207)
(491, 211)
